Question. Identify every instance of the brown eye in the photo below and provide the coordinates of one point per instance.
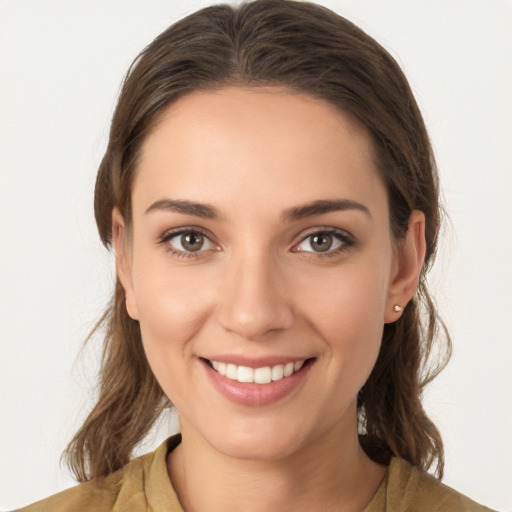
(324, 242)
(192, 241)
(188, 242)
(321, 242)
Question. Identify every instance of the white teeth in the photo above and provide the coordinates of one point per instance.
(232, 371)
(245, 374)
(277, 372)
(262, 375)
(288, 369)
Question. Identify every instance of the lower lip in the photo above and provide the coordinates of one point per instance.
(256, 395)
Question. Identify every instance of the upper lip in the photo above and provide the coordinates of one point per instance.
(255, 362)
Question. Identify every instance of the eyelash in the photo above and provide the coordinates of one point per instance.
(169, 235)
(343, 237)
(346, 242)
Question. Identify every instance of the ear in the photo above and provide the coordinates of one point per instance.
(121, 242)
(410, 257)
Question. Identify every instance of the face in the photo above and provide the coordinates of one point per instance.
(260, 265)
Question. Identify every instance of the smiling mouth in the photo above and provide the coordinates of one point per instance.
(263, 375)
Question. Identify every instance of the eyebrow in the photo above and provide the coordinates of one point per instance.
(207, 211)
(323, 206)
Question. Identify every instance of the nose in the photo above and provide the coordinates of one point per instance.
(255, 301)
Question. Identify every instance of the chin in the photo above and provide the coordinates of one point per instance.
(259, 448)
(260, 440)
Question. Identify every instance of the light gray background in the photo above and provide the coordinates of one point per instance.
(61, 64)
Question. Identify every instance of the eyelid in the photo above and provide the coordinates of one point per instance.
(347, 240)
(175, 232)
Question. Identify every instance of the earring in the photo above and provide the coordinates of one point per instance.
(397, 308)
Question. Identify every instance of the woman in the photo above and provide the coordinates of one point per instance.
(271, 195)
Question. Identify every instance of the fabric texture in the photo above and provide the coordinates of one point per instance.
(143, 485)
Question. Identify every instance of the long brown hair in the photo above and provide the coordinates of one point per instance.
(309, 49)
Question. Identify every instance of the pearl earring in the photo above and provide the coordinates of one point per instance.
(397, 308)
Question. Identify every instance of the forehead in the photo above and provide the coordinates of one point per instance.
(262, 144)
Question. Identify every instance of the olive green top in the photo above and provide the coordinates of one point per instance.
(144, 485)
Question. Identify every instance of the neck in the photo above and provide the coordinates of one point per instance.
(331, 473)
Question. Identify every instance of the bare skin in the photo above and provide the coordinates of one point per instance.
(303, 481)
(233, 256)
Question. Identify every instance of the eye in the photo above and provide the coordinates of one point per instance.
(319, 242)
(189, 241)
(324, 242)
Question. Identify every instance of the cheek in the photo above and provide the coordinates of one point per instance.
(349, 297)
(172, 308)
(172, 311)
(168, 299)
(165, 310)
(347, 310)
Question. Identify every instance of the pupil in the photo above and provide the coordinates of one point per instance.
(192, 241)
(321, 243)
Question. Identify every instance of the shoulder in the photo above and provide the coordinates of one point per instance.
(123, 489)
(412, 490)
(97, 495)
